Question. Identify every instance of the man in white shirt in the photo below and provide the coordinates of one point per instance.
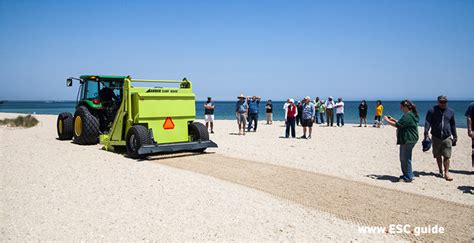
(340, 112)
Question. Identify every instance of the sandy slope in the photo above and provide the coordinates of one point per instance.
(57, 190)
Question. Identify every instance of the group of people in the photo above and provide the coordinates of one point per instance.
(439, 134)
(246, 110)
(439, 130)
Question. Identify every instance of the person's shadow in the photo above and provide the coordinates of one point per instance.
(466, 189)
(462, 172)
(384, 177)
(422, 173)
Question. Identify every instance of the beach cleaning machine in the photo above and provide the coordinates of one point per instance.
(145, 120)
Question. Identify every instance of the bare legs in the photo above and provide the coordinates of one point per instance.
(446, 163)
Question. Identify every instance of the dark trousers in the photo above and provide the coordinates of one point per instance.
(330, 116)
(340, 119)
(290, 124)
(321, 115)
(253, 117)
(316, 117)
(472, 156)
(298, 120)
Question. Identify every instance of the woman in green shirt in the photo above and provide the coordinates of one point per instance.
(407, 136)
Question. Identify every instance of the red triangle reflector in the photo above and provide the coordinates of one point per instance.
(168, 124)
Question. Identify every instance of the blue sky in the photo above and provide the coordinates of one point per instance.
(355, 49)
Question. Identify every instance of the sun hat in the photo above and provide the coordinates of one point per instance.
(426, 144)
(307, 98)
(330, 97)
(442, 98)
(209, 97)
(241, 96)
(292, 100)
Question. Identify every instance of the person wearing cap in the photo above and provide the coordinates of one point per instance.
(291, 111)
(470, 125)
(440, 119)
(253, 103)
(209, 113)
(330, 111)
(241, 110)
(308, 117)
(340, 112)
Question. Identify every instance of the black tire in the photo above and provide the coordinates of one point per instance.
(64, 126)
(86, 127)
(198, 132)
(137, 136)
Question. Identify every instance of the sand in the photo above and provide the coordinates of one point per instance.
(364, 154)
(56, 190)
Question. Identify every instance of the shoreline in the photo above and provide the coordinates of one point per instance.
(355, 125)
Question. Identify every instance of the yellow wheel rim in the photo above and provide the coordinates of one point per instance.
(78, 126)
(60, 126)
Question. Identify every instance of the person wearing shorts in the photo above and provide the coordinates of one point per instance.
(241, 109)
(378, 113)
(440, 119)
(307, 121)
(209, 113)
(470, 125)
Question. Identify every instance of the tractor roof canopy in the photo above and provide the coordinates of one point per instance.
(103, 77)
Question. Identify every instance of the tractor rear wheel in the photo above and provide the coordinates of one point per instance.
(198, 132)
(64, 126)
(86, 127)
(137, 136)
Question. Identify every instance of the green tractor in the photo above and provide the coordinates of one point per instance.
(145, 120)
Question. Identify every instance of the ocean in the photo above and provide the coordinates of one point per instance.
(225, 109)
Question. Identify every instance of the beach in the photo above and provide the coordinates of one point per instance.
(257, 187)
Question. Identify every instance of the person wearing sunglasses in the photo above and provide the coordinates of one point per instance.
(440, 119)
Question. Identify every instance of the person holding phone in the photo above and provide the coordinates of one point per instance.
(407, 136)
(440, 119)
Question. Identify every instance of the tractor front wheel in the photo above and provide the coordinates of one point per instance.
(64, 126)
(137, 136)
(86, 127)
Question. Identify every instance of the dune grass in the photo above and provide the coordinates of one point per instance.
(20, 121)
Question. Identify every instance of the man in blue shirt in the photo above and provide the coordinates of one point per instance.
(308, 117)
(241, 109)
(253, 112)
(440, 120)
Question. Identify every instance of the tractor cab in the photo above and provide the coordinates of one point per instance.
(101, 95)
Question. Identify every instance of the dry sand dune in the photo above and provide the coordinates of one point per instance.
(257, 187)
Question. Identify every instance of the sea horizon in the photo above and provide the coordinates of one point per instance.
(282, 100)
(225, 110)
